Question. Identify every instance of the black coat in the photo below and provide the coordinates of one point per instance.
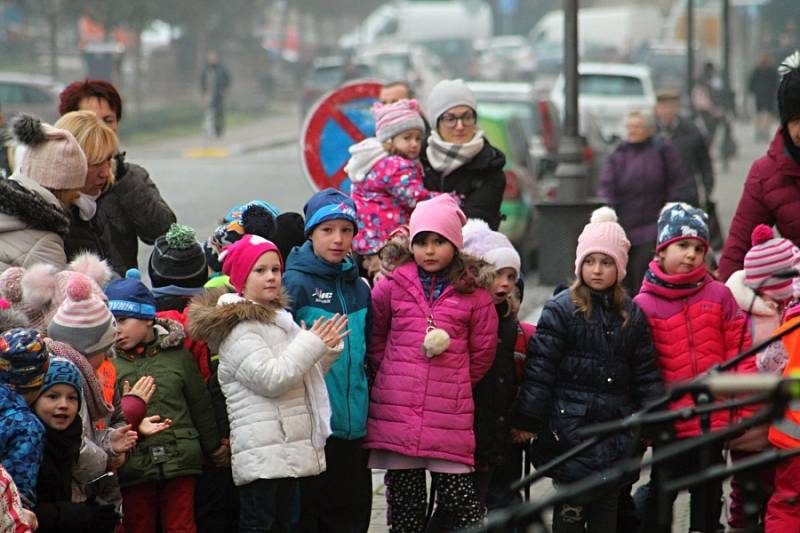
(693, 150)
(130, 210)
(580, 372)
(479, 183)
(494, 396)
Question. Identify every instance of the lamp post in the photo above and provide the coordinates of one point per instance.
(690, 55)
(562, 220)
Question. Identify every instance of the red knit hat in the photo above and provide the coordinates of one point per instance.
(238, 258)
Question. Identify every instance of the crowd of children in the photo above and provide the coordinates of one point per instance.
(262, 376)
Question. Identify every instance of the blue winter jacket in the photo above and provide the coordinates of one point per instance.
(21, 442)
(319, 288)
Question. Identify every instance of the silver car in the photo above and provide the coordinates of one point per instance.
(37, 95)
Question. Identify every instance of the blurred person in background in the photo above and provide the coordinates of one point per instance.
(394, 92)
(764, 86)
(128, 206)
(706, 100)
(214, 83)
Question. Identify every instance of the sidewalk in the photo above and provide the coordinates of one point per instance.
(279, 126)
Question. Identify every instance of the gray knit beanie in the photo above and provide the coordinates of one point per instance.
(447, 94)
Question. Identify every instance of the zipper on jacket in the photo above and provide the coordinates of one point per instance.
(311, 417)
(692, 354)
(428, 372)
(343, 303)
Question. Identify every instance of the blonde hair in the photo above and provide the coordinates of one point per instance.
(581, 296)
(67, 197)
(98, 141)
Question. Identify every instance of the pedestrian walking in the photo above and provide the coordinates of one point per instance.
(434, 338)
(771, 193)
(591, 360)
(695, 324)
(457, 158)
(272, 374)
(214, 83)
(110, 218)
(763, 85)
(638, 178)
(706, 100)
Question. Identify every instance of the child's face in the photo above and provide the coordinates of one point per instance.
(263, 284)
(433, 252)
(132, 331)
(504, 282)
(331, 240)
(682, 256)
(408, 143)
(599, 271)
(58, 406)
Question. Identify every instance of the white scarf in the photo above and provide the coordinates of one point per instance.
(87, 206)
(364, 156)
(447, 157)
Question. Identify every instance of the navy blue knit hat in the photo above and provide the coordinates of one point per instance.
(129, 298)
(23, 359)
(329, 204)
(679, 220)
(62, 371)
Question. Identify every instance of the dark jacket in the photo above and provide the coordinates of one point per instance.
(580, 372)
(764, 86)
(494, 396)
(693, 151)
(771, 196)
(637, 180)
(130, 210)
(479, 183)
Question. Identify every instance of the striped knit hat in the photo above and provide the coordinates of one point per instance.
(395, 118)
(768, 256)
(82, 320)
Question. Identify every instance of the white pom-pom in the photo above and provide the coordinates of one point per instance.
(436, 341)
(39, 285)
(603, 214)
(92, 266)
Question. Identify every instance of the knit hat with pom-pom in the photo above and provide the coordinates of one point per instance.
(491, 246)
(603, 235)
(83, 320)
(768, 256)
(178, 259)
(52, 157)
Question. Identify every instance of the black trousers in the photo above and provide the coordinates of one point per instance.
(596, 516)
(340, 499)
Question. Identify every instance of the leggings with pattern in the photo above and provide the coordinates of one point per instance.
(457, 504)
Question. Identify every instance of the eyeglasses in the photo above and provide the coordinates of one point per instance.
(467, 119)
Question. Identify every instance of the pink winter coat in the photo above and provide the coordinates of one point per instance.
(423, 407)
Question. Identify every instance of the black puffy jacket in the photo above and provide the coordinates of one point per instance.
(479, 183)
(580, 372)
(494, 396)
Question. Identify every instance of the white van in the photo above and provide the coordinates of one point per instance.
(406, 22)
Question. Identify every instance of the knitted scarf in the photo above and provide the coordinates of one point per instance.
(674, 286)
(447, 157)
(92, 390)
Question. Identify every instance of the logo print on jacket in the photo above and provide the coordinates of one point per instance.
(322, 297)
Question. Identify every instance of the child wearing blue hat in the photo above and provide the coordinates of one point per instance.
(322, 280)
(164, 466)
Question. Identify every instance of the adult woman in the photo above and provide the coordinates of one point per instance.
(771, 191)
(457, 158)
(34, 201)
(112, 220)
(638, 178)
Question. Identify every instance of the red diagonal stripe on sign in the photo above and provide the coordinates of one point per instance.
(347, 125)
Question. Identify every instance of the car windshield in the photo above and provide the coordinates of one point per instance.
(610, 85)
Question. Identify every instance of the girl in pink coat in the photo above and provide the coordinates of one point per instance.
(434, 337)
(386, 177)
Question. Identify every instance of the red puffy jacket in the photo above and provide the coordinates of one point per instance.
(693, 329)
(771, 196)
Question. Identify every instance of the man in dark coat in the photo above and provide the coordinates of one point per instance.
(764, 86)
(214, 82)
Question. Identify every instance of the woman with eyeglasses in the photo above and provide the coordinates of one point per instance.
(457, 158)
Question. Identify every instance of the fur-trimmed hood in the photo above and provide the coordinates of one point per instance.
(744, 296)
(25, 207)
(212, 316)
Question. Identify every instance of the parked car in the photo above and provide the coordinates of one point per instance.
(328, 73)
(404, 62)
(609, 91)
(27, 93)
(509, 57)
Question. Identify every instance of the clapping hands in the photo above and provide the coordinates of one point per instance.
(329, 331)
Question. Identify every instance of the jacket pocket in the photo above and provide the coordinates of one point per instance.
(187, 448)
(567, 418)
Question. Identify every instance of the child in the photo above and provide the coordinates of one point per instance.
(765, 299)
(434, 338)
(23, 363)
(271, 372)
(591, 360)
(13, 518)
(177, 268)
(162, 467)
(695, 324)
(322, 281)
(386, 177)
(57, 407)
(494, 394)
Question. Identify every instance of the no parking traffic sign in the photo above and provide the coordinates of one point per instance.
(338, 120)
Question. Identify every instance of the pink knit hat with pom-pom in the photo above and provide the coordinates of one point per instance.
(769, 256)
(395, 118)
(83, 320)
(603, 235)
